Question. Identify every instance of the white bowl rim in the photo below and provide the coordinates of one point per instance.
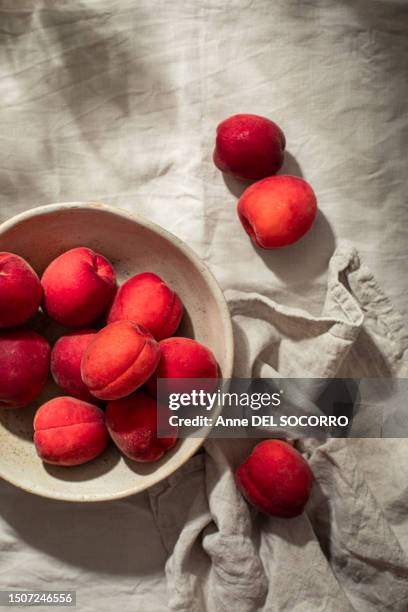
(215, 289)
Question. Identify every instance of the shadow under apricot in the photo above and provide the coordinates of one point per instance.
(237, 187)
(185, 328)
(145, 469)
(19, 421)
(307, 258)
(87, 471)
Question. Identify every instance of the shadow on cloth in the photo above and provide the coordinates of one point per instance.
(237, 187)
(100, 537)
(306, 259)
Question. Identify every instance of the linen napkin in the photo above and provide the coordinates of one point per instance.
(344, 553)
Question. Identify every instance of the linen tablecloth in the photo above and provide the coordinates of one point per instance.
(118, 101)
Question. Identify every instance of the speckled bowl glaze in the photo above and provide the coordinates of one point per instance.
(133, 245)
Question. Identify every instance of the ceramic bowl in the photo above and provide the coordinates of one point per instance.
(133, 245)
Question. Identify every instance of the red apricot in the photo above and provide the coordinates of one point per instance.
(249, 147)
(277, 211)
(79, 286)
(20, 290)
(68, 431)
(147, 300)
(66, 357)
(276, 479)
(132, 424)
(183, 358)
(119, 359)
(24, 364)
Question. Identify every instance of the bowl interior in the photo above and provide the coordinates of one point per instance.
(133, 245)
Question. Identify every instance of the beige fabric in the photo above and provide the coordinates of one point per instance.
(345, 553)
(117, 100)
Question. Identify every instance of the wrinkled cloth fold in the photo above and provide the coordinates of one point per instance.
(118, 101)
(343, 553)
